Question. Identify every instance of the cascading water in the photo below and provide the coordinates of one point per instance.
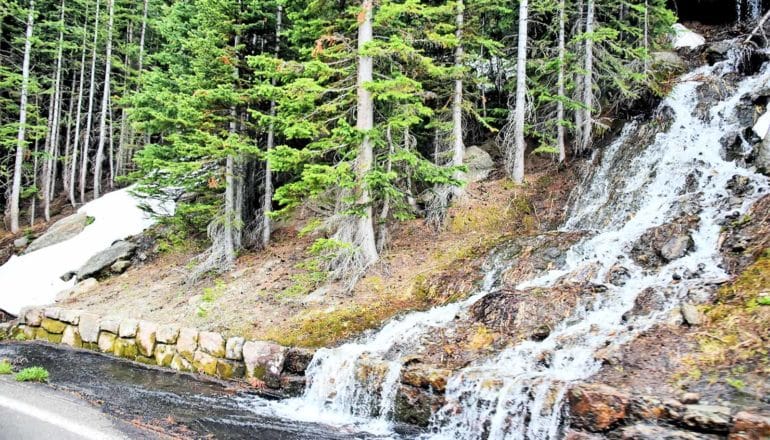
(519, 393)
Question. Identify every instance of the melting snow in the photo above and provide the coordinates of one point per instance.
(684, 37)
(34, 278)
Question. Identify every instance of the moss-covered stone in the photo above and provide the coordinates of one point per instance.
(125, 348)
(53, 326)
(180, 364)
(227, 369)
(107, 342)
(164, 354)
(187, 343)
(41, 334)
(146, 360)
(93, 346)
(71, 337)
(54, 338)
(204, 363)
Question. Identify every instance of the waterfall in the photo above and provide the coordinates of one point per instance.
(519, 393)
(753, 10)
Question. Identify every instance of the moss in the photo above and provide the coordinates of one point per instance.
(5, 367)
(125, 348)
(145, 360)
(54, 338)
(53, 326)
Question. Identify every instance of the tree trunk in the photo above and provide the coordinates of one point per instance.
(382, 237)
(89, 113)
(21, 141)
(458, 148)
(365, 123)
(579, 81)
(68, 137)
(52, 137)
(267, 204)
(588, 89)
(560, 80)
(105, 102)
(78, 112)
(521, 95)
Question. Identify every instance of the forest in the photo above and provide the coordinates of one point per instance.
(361, 111)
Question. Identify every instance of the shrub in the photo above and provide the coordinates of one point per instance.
(32, 374)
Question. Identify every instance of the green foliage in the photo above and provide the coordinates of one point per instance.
(32, 374)
(6, 367)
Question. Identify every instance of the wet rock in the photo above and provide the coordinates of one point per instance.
(164, 354)
(234, 349)
(649, 300)
(71, 337)
(479, 164)
(187, 343)
(106, 342)
(748, 426)
(596, 407)
(60, 231)
(167, 334)
(212, 343)
(125, 348)
(53, 326)
(298, 359)
(121, 250)
(145, 338)
(415, 406)
(293, 386)
(707, 418)
(676, 247)
(204, 363)
(654, 432)
(739, 185)
(618, 275)
(120, 266)
(691, 315)
(425, 376)
(110, 324)
(264, 361)
(128, 328)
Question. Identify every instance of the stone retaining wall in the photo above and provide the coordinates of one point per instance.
(264, 364)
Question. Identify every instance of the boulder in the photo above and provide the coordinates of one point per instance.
(145, 338)
(167, 334)
(60, 231)
(110, 324)
(691, 315)
(654, 432)
(52, 312)
(179, 363)
(204, 363)
(70, 316)
(89, 327)
(415, 406)
(121, 250)
(71, 337)
(106, 342)
(264, 361)
(664, 243)
(120, 266)
(125, 348)
(707, 418)
(227, 369)
(298, 359)
(676, 247)
(748, 426)
(596, 407)
(668, 59)
(53, 326)
(20, 242)
(425, 376)
(479, 164)
(32, 316)
(187, 343)
(128, 328)
(212, 343)
(234, 349)
(164, 354)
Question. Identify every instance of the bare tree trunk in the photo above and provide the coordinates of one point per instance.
(52, 137)
(588, 89)
(560, 143)
(105, 102)
(646, 36)
(579, 81)
(267, 204)
(76, 140)
(89, 113)
(517, 165)
(458, 148)
(365, 123)
(123, 116)
(68, 138)
(21, 141)
(35, 162)
(382, 237)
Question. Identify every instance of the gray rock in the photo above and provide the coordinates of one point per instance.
(111, 324)
(120, 266)
(89, 327)
(298, 359)
(234, 349)
(762, 151)
(479, 164)
(710, 418)
(654, 432)
(167, 334)
(676, 247)
(145, 338)
(212, 343)
(52, 312)
(118, 251)
(20, 242)
(691, 315)
(32, 316)
(128, 328)
(668, 59)
(60, 231)
(264, 361)
(70, 316)
(79, 289)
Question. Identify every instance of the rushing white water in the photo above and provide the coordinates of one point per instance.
(519, 393)
(753, 9)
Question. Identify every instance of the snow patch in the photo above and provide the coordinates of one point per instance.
(684, 37)
(762, 126)
(34, 279)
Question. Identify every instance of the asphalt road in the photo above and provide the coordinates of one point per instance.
(37, 412)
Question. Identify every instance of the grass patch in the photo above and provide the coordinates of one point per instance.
(5, 367)
(32, 374)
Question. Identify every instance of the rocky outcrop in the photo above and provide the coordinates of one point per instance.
(121, 250)
(60, 231)
(597, 408)
(665, 243)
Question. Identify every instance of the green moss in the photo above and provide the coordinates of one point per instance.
(5, 367)
(32, 374)
(53, 326)
(125, 348)
(145, 360)
(55, 338)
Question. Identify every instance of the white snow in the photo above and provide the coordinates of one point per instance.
(763, 125)
(33, 279)
(684, 37)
